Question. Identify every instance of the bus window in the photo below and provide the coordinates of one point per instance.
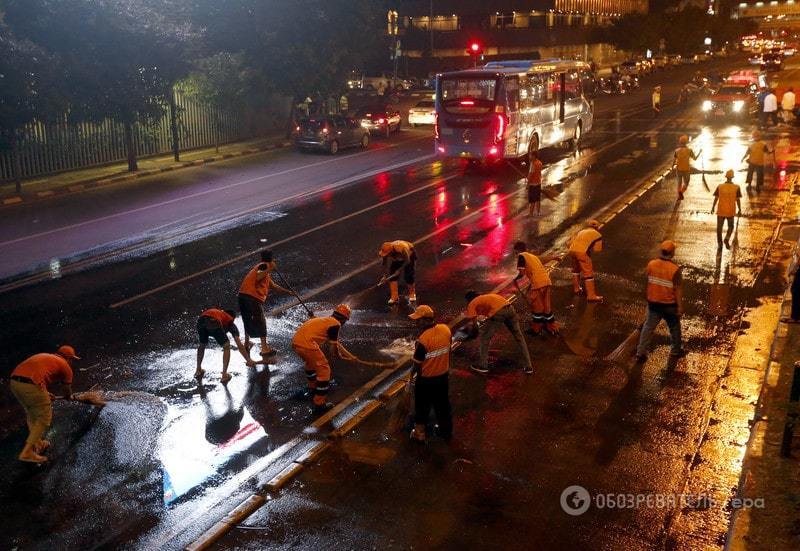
(512, 94)
(550, 86)
(572, 87)
(475, 88)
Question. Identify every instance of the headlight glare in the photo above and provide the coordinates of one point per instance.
(737, 105)
(707, 105)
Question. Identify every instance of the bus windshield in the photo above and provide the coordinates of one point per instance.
(476, 88)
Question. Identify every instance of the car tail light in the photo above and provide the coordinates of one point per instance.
(436, 126)
(467, 102)
(500, 127)
(381, 121)
(493, 150)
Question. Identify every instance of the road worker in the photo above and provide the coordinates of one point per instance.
(756, 156)
(728, 195)
(252, 296)
(534, 179)
(431, 365)
(664, 295)
(656, 101)
(585, 242)
(399, 256)
(487, 313)
(29, 382)
(306, 343)
(532, 267)
(216, 323)
(682, 164)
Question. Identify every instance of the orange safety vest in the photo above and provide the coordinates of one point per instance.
(535, 271)
(683, 156)
(220, 315)
(313, 333)
(486, 305)
(757, 150)
(661, 281)
(586, 240)
(437, 341)
(253, 287)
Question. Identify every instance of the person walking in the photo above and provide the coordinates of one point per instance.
(656, 100)
(770, 112)
(664, 295)
(728, 195)
(252, 296)
(682, 163)
(306, 343)
(488, 313)
(581, 247)
(29, 382)
(399, 256)
(216, 323)
(787, 105)
(795, 290)
(532, 267)
(534, 185)
(431, 366)
(756, 157)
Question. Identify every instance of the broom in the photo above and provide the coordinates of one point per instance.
(626, 348)
(546, 191)
(398, 420)
(703, 168)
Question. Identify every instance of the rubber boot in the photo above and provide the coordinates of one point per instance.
(395, 295)
(418, 434)
(591, 292)
(412, 292)
(576, 284)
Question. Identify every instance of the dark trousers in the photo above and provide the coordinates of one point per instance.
(796, 296)
(759, 170)
(433, 392)
(720, 223)
(772, 116)
(656, 313)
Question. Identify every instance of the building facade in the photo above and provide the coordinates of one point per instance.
(771, 15)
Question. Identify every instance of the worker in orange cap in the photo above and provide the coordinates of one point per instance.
(728, 195)
(583, 244)
(532, 267)
(756, 156)
(487, 313)
(682, 164)
(306, 343)
(399, 256)
(29, 382)
(431, 365)
(252, 296)
(664, 296)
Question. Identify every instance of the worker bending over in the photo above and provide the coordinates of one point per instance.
(532, 267)
(585, 242)
(29, 382)
(431, 366)
(216, 323)
(399, 256)
(487, 313)
(306, 343)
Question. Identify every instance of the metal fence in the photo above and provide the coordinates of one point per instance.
(50, 148)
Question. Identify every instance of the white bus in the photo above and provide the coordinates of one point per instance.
(507, 109)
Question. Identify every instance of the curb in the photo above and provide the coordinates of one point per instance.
(92, 184)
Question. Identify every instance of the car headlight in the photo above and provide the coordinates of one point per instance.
(707, 105)
(737, 105)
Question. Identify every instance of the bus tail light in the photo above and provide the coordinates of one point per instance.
(436, 126)
(493, 150)
(500, 127)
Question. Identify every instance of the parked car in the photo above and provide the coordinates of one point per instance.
(633, 68)
(331, 133)
(674, 59)
(423, 112)
(731, 101)
(381, 119)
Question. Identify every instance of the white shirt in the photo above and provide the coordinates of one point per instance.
(770, 103)
(787, 101)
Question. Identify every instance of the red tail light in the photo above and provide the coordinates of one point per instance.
(467, 102)
(436, 125)
(500, 127)
(381, 121)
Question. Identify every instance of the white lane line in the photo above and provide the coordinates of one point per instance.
(223, 188)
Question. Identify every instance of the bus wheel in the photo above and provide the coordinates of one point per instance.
(576, 138)
(533, 147)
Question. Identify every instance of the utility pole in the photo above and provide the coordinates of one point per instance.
(430, 25)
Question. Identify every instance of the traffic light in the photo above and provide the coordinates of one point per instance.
(475, 48)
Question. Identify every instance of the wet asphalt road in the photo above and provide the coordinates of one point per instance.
(133, 321)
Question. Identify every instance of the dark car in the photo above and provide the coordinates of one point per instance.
(381, 119)
(771, 62)
(331, 133)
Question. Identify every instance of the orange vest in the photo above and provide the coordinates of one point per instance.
(45, 369)
(436, 341)
(220, 315)
(535, 271)
(313, 333)
(253, 287)
(756, 150)
(586, 240)
(661, 281)
(683, 156)
(486, 305)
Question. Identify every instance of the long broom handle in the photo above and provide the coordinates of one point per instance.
(296, 294)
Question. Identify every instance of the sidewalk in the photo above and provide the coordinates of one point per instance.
(76, 181)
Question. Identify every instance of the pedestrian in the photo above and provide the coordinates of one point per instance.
(399, 257)
(306, 343)
(534, 184)
(539, 294)
(487, 313)
(252, 296)
(29, 382)
(656, 98)
(431, 367)
(581, 247)
(664, 295)
(682, 163)
(756, 156)
(770, 112)
(787, 105)
(795, 289)
(728, 195)
(216, 323)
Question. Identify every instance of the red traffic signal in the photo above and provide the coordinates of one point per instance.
(475, 48)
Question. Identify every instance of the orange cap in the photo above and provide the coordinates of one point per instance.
(594, 224)
(386, 249)
(422, 311)
(68, 352)
(668, 246)
(343, 310)
(684, 139)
